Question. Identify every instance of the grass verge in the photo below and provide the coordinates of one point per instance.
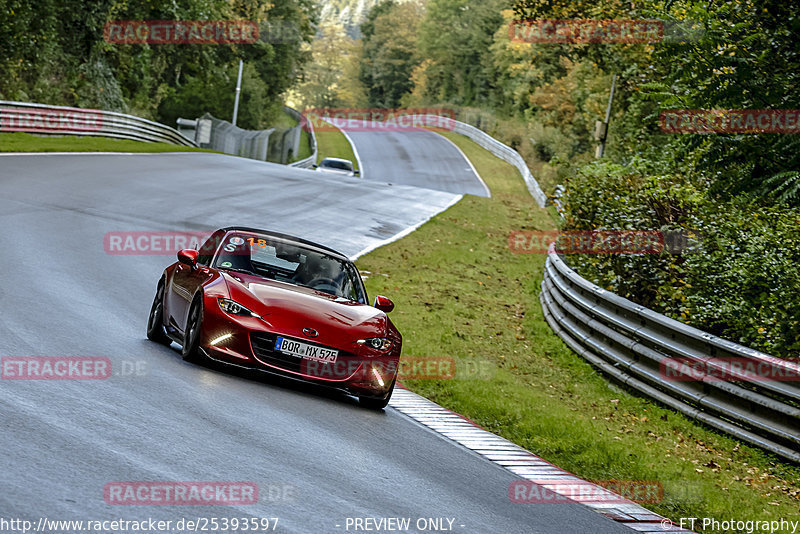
(332, 143)
(304, 150)
(25, 142)
(461, 293)
(285, 120)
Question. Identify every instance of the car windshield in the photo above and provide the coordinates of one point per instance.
(290, 262)
(334, 164)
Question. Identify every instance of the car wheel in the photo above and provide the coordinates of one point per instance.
(371, 403)
(191, 341)
(155, 323)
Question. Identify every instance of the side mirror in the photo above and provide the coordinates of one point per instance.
(383, 304)
(356, 173)
(188, 256)
(314, 166)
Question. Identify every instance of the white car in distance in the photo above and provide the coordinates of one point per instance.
(337, 166)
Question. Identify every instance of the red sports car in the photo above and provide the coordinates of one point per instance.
(280, 304)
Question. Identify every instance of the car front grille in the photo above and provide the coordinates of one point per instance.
(264, 350)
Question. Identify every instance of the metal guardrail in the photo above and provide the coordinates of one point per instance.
(504, 152)
(558, 200)
(305, 124)
(61, 120)
(273, 144)
(229, 139)
(634, 345)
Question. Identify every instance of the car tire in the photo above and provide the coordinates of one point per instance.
(190, 351)
(371, 403)
(155, 322)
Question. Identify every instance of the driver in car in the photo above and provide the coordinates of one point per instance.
(319, 273)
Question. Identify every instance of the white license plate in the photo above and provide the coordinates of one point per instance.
(304, 350)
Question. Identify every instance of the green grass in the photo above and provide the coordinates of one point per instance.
(284, 121)
(305, 146)
(332, 143)
(461, 293)
(25, 142)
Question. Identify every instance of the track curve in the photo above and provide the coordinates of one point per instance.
(416, 157)
(62, 441)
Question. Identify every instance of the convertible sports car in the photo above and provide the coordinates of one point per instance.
(279, 304)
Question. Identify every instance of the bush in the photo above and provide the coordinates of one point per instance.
(215, 94)
(739, 277)
(746, 276)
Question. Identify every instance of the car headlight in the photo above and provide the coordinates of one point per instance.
(377, 343)
(234, 308)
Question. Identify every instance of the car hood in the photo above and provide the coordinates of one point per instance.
(289, 309)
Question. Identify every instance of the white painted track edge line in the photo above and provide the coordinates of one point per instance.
(405, 232)
(471, 166)
(411, 405)
(352, 145)
(361, 171)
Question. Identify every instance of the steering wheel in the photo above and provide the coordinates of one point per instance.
(322, 281)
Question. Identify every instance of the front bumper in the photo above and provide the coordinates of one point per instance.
(248, 342)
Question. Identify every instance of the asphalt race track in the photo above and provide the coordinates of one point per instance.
(317, 459)
(399, 157)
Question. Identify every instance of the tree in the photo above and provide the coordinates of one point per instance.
(390, 52)
(54, 52)
(455, 36)
(331, 79)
